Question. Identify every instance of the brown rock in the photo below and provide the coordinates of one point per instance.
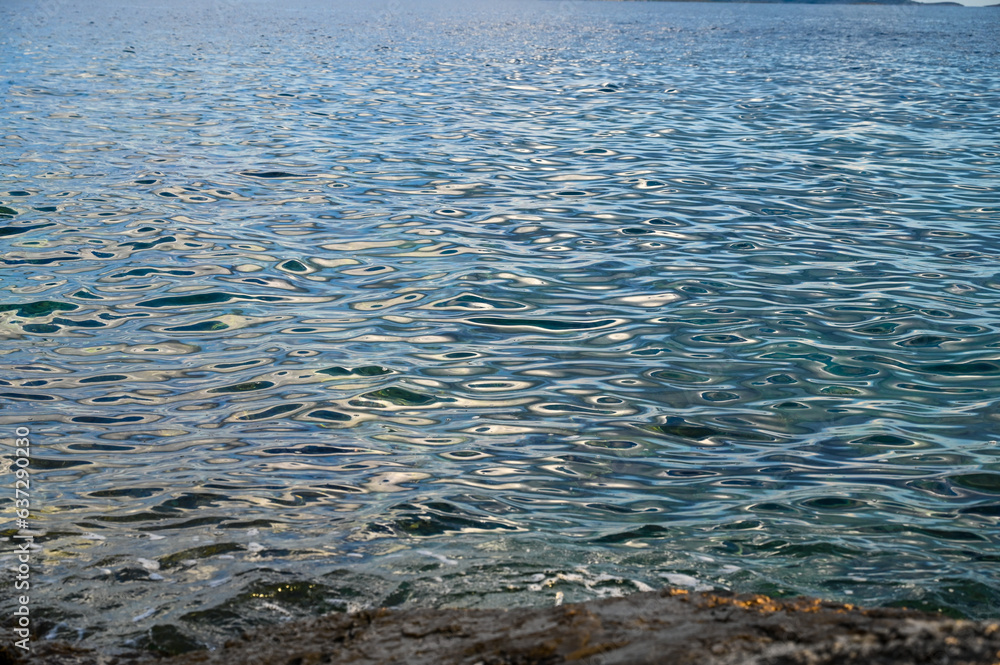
(668, 626)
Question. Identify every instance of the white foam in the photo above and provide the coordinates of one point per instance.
(276, 608)
(440, 557)
(680, 579)
(145, 615)
(149, 564)
(641, 586)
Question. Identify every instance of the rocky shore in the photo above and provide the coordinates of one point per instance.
(667, 626)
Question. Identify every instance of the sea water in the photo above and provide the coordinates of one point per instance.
(312, 307)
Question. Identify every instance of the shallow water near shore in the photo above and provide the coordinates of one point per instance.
(313, 308)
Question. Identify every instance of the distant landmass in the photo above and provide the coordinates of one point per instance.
(845, 2)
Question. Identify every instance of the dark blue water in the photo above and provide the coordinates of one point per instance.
(312, 307)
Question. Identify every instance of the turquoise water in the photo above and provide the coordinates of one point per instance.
(311, 307)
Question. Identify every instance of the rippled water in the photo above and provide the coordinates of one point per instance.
(311, 307)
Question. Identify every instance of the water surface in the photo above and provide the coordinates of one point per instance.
(313, 307)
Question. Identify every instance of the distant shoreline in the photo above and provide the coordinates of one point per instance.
(897, 3)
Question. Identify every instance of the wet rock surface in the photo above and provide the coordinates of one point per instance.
(666, 626)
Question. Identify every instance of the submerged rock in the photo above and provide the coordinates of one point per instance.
(667, 626)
